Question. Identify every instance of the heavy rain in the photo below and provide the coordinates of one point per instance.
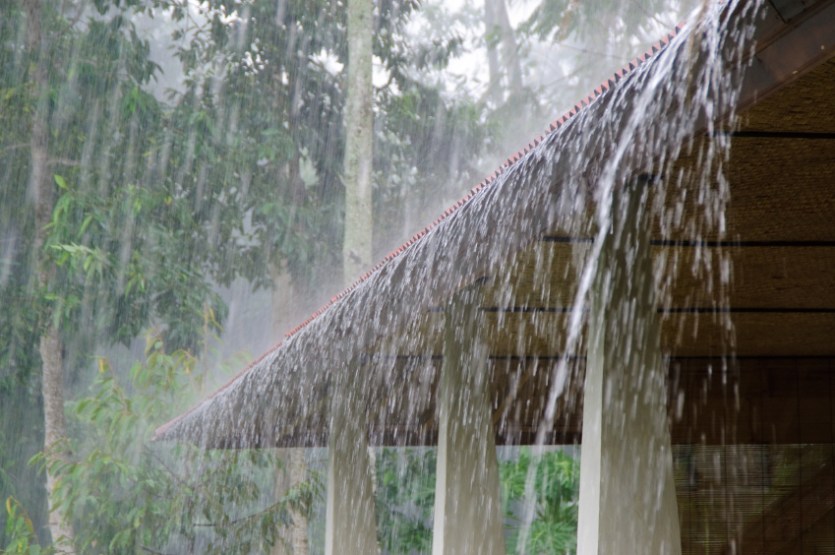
(457, 277)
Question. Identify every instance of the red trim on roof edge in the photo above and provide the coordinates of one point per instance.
(512, 160)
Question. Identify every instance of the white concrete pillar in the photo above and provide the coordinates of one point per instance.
(627, 492)
(350, 520)
(468, 515)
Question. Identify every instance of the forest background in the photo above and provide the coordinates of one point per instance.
(172, 199)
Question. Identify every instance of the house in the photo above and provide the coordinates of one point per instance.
(654, 279)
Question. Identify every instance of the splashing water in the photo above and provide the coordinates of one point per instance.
(692, 87)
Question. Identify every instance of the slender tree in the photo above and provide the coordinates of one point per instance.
(42, 191)
(359, 129)
(357, 250)
(504, 62)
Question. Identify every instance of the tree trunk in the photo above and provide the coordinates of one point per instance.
(494, 88)
(354, 533)
(54, 429)
(297, 471)
(359, 127)
(499, 32)
(293, 539)
(50, 348)
(510, 48)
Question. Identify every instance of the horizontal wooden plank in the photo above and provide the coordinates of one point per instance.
(751, 401)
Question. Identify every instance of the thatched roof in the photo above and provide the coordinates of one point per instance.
(512, 235)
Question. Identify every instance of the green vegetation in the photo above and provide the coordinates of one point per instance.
(556, 485)
(127, 495)
(406, 493)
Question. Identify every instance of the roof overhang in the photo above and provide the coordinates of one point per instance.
(521, 235)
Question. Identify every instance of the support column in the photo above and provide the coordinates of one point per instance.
(351, 520)
(627, 492)
(468, 514)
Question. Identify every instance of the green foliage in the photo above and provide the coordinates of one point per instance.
(406, 493)
(405, 499)
(556, 483)
(20, 532)
(126, 495)
(117, 239)
(287, 145)
(17, 478)
(137, 271)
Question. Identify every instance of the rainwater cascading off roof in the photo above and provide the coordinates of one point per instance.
(780, 236)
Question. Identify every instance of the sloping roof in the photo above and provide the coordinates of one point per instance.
(510, 234)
